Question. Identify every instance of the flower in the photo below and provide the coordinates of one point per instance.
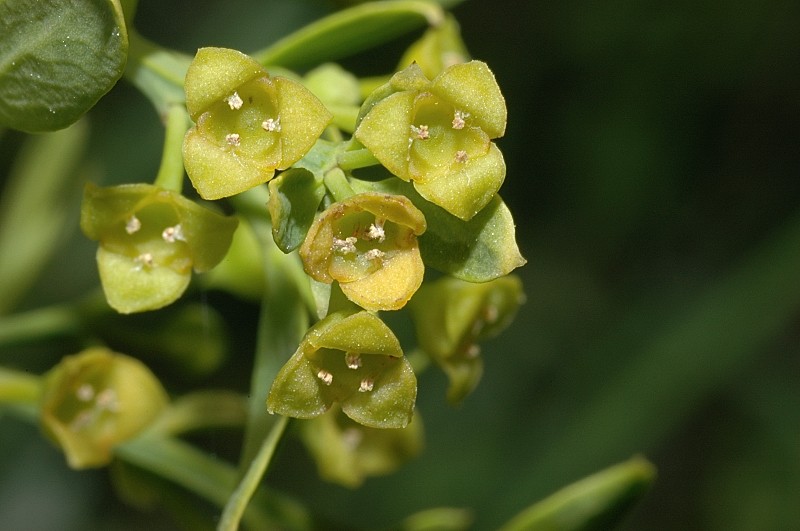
(438, 134)
(248, 124)
(352, 359)
(368, 243)
(150, 240)
(95, 400)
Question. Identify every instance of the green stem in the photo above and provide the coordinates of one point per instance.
(202, 410)
(53, 321)
(18, 387)
(336, 182)
(158, 72)
(237, 503)
(170, 173)
(358, 158)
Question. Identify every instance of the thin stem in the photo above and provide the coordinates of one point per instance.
(336, 182)
(52, 321)
(237, 503)
(201, 410)
(170, 173)
(18, 387)
(358, 158)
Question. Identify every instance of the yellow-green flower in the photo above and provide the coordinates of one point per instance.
(248, 124)
(352, 359)
(438, 134)
(96, 400)
(150, 240)
(368, 243)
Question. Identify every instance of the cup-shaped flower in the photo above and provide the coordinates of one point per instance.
(352, 359)
(438, 134)
(248, 124)
(368, 243)
(347, 452)
(95, 400)
(150, 239)
(451, 316)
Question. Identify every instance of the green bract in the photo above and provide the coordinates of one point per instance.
(247, 124)
(347, 452)
(150, 239)
(368, 243)
(451, 316)
(95, 400)
(438, 134)
(352, 359)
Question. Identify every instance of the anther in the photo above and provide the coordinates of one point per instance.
(458, 119)
(421, 132)
(461, 156)
(133, 225)
(366, 385)
(232, 139)
(144, 260)
(346, 246)
(107, 399)
(234, 101)
(374, 254)
(352, 360)
(173, 234)
(376, 232)
(85, 392)
(325, 376)
(272, 125)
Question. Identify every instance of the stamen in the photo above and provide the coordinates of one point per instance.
(233, 139)
(461, 156)
(376, 232)
(85, 392)
(325, 376)
(421, 132)
(346, 246)
(353, 360)
(458, 119)
(374, 254)
(144, 260)
(272, 125)
(234, 101)
(367, 384)
(473, 351)
(133, 225)
(173, 234)
(107, 399)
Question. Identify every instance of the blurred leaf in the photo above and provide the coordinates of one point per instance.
(35, 206)
(597, 502)
(348, 32)
(57, 59)
(293, 200)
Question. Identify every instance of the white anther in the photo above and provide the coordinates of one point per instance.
(272, 125)
(473, 351)
(461, 156)
(376, 232)
(421, 132)
(173, 234)
(366, 385)
(346, 246)
(107, 399)
(374, 254)
(144, 260)
(82, 420)
(491, 313)
(234, 101)
(233, 139)
(133, 225)
(352, 360)
(85, 392)
(458, 119)
(325, 376)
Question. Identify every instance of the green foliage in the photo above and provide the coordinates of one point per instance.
(58, 59)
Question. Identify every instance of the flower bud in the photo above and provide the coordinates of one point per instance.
(96, 400)
(347, 452)
(451, 316)
(368, 243)
(352, 359)
(248, 124)
(438, 134)
(150, 240)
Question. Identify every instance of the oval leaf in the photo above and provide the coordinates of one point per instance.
(57, 59)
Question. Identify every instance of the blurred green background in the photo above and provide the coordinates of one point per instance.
(653, 155)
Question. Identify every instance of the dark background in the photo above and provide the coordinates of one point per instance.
(653, 158)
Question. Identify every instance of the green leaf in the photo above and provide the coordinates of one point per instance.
(35, 206)
(597, 502)
(477, 250)
(57, 59)
(293, 200)
(349, 31)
